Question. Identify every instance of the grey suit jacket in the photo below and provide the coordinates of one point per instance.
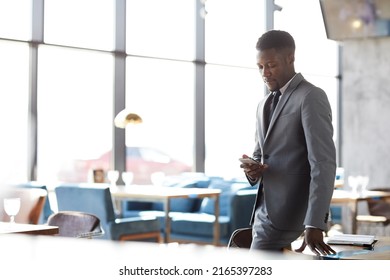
(300, 153)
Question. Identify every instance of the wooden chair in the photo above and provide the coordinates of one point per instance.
(47, 210)
(241, 238)
(32, 202)
(76, 224)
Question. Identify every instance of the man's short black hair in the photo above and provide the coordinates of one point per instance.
(275, 39)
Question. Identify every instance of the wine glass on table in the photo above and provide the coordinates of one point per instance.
(12, 207)
(364, 180)
(113, 176)
(157, 178)
(353, 182)
(127, 177)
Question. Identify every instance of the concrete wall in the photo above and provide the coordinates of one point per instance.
(366, 109)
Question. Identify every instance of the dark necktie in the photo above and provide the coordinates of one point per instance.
(270, 107)
(274, 102)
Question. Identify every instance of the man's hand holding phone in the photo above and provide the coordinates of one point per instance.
(248, 160)
(252, 168)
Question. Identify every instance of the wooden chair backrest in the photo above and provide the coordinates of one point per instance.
(31, 205)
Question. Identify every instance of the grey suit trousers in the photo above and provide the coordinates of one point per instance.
(265, 235)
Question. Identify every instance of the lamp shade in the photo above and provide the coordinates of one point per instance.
(125, 117)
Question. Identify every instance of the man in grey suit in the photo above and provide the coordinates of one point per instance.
(294, 152)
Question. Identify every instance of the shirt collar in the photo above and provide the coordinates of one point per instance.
(283, 88)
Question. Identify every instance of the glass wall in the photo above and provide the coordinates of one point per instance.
(68, 78)
(15, 19)
(233, 84)
(74, 112)
(160, 44)
(14, 111)
(162, 29)
(316, 56)
(162, 92)
(85, 23)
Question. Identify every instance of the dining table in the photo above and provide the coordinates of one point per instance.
(153, 193)
(32, 229)
(351, 200)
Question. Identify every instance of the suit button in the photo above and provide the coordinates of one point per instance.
(266, 156)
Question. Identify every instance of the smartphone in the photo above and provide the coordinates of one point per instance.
(249, 160)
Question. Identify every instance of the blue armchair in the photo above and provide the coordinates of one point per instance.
(236, 204)
(96, 199)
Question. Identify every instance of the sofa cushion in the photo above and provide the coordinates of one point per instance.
(228, 188)
(198, 224)
(185, 180)
(179, 204)
(136, 205)
(131, 208)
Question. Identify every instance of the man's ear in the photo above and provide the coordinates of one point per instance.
(291, 58)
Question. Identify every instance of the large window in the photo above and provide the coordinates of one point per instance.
(232, 93)
(231, 102)
(161, 28)
(233, 84)
(74, 112)
(160, 86)
(316, 57)
(162, 92)
(70, 66)
(80, 23)
(15, 19)
(232, 29)
(14, 112)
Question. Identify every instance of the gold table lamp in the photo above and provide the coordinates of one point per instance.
(125, 117)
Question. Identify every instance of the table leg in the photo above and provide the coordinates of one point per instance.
(167, 208)
(352, 214)
(216, 222)
(118, 207)
(353, 209)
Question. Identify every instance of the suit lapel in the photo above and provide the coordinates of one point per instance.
(282, 102)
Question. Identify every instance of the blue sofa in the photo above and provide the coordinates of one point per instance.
(192, 219)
